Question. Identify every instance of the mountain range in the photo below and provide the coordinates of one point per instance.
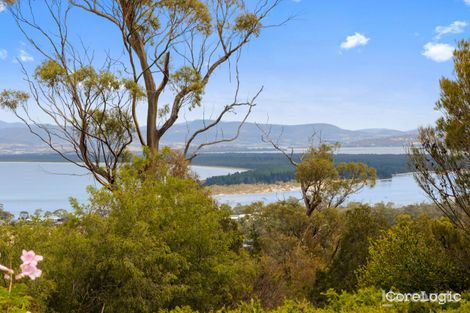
(16, 137)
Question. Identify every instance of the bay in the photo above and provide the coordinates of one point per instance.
(400, 190)
(27, 186)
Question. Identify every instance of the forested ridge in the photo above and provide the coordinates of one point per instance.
(275, 167)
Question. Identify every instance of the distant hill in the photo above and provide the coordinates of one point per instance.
(296, 136)
(16, 137)
(10, 125)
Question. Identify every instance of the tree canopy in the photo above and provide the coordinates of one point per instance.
(171, 49)
(442, 159)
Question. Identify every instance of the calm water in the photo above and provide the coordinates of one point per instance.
(28, 186)
(401, 190)
(342, 150)
(48, 186)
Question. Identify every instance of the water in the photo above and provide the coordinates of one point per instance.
(341, 150)
(372, 150)
(27, 186)
(400, 189)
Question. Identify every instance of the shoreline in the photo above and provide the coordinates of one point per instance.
(246, 189)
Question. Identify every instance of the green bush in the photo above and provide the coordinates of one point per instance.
(145, 245)
(361, 224)
(368, 300)
(424, 254)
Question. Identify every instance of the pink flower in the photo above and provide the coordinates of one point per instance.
(30, 270)
(6, 269)
(30, 257)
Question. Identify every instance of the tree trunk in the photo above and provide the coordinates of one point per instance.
(138, 46)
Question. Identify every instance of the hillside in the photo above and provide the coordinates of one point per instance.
(16, 137)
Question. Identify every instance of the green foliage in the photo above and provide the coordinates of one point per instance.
(272, 167)
(361, 224)
(12, 99)
(453, 101)
(50, 72)
(317, 166)
(248, 23)
(188, 78)
(152, 244)
(301, 257)
(424, 254)
(355, 302)
(290, 247)
(194, 11)
(264, 175)
(326, 185)
(54, 75)
(5, 217)
(15, 300)
(113, 124)
(367, 300)
(441, 161)
(95, 116)
(134, 88)
(146, 245)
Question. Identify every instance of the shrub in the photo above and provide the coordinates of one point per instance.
(425, 254)
(147, 244)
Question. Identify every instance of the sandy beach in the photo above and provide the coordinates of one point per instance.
(218, 190)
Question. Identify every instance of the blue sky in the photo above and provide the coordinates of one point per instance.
(353, 63)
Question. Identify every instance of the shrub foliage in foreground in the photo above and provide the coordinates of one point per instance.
(146, 245)
(425, 254)
(368, 300)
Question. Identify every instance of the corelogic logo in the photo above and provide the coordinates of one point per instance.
(388, 298)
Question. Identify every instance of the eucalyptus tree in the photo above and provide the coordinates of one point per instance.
(171, 50)
(442, 158)
(323, 183)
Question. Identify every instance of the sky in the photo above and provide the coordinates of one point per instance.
(352, 63)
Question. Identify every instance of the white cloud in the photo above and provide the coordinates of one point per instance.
(355, 40)
(2, 6)
(25, 57)
(467, 2)
(3, 54)
(456, 27)
(438, 52)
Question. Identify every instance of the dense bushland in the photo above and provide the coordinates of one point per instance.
(302, 257)
(158, 244)
(147, 244)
